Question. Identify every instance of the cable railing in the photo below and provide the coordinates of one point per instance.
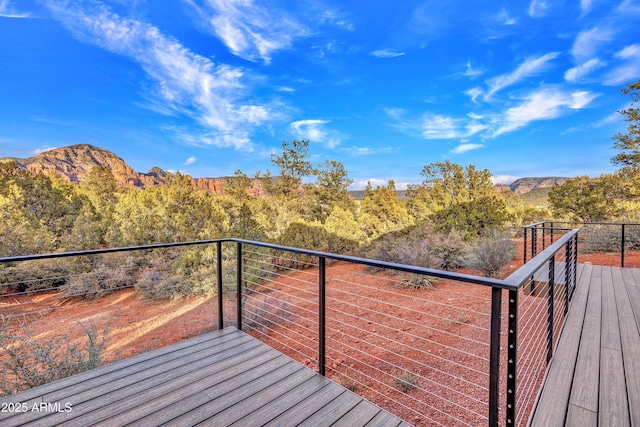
(424, 344)
(600, 243)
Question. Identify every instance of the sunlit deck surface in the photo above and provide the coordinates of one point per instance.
(221, 378)
(594, 376)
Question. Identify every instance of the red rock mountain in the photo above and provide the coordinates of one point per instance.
(73, 163)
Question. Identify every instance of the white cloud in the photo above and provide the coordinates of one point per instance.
(9, 11)
(185, 83)
(474, 93)
(537, 8)
(249, 30)
(386, 53)
(576, 73)
(470, 71)
(585, 5)
(463, 148)
(435, 126)
(366, 151)
(285, 89)
(530, 67)
(42, 150)
(504, 18)
(629, 70)
(545, 104)
(189, 161)
(315, 131)
(588, 42)
(504, 179)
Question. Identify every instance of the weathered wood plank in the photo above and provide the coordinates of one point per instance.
(610, 326)
(204, 395)
(99, 376)
(630, 338)
(274, 390)
(135, 401)
(552, 404)
(140, 380)
(283, 403)
(333, 411)
(586, 381)
(383, 419)
(360, 415)
(580, 417)
(307, 407)
(634, 293)
(613, 409)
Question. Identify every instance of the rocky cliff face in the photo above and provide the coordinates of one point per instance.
(524, 185)
(73, 163)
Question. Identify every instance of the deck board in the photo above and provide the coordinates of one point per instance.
(221, 378)
(603, 341)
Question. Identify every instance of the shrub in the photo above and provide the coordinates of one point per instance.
(100, 281)
(31, 361)
(490, 254)
(416, 281)
(405, 381)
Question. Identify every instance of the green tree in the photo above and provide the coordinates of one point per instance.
(293, 165)
(629, 143)
(382, 211)
(332, 182)
(588, 199)
(462, 198)
(237, 185)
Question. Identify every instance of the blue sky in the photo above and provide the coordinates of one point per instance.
(523, 88)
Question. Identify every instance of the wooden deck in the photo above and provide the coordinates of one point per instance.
(594, 376)
(221, 378)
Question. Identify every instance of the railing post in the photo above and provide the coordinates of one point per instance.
(525, 245)
(575, 263)
(219, 274)
(552, 267)
(568, 266)
(551, 232)
(534, 243)
(622, 246)
(321, 312)
(239, 285)
(512, 358)
(544, 232)
(494, 356)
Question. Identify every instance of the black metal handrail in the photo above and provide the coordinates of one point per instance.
(511, 284)
(544, 228)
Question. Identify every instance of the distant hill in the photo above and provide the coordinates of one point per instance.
(538, 197)
(74, 162)
(524, 185)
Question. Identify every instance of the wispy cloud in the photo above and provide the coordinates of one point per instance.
(185, 83)
(189, 161)
(576, 73)
(42, 150)
(463, 148)
(315, 131)
(529, 67)
(248, 29)
(386, 53)
(470, 71)
(474, 93)
(585, 5)
(504, 18)
(435, 126)
(537, 8)
(587, 42)
(504, 179)
(9, 11)
(628, 70)
(544, 104)
(367, 151)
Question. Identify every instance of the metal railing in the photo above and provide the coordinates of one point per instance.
(612, 240)
(428, 355)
